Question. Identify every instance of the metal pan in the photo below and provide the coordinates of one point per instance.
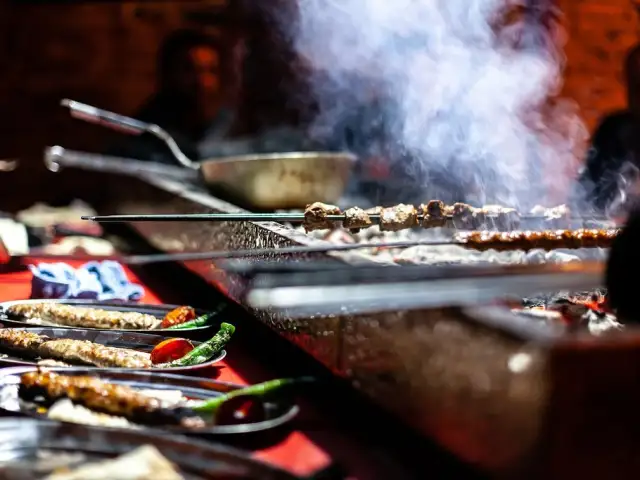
(266, 181)
(277, 411)
(32, 449)
(156, 310)
(143, 342)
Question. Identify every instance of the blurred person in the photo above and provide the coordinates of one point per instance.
(608, 181)
(194, 99)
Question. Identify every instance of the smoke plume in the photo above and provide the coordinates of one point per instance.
(465, 91)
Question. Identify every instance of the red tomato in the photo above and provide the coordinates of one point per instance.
(169, 350)
(178, 316)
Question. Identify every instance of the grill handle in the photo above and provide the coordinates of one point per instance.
(127, 125)
(57, 157)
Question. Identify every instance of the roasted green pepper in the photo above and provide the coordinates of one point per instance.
(206, 350)
(257, 390)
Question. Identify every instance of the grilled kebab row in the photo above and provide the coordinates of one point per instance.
(82, 352)
(545, 240)
(318, 216)
(104, 397)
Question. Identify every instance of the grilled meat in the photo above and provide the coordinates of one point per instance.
(69, 315)
(374, 211)
(355, 218)
(546, 240)
(104, 397)
(397, 218)
(89, 353)
(21, 342)
(73, 351)
(495, 216)
(434, 214)
(554, 213)
(462, 216)
(315, 216)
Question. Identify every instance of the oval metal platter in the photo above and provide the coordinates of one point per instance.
(32, 449)
(143, 342)
(158, 311)
(277, 411)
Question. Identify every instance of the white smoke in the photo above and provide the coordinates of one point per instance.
(464, 100)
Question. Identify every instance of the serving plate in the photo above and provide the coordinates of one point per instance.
(24, 442)
(143, 342)
(156, 310)
(277, 411)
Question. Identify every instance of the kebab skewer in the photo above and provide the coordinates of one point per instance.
(104, 397)
(546, 240)
(75, 316)
(46, 388)
(84, 352)
(321, 216)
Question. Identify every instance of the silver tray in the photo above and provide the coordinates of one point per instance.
(23, 441)
(278, 411)
(136, 341)
(156, 310)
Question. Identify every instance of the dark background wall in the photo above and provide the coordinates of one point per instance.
(103, 53)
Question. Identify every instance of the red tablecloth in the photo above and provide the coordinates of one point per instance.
(296, 452)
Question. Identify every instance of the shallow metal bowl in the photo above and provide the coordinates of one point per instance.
(281, 180)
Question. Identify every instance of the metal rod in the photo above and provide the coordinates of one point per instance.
(266, 217)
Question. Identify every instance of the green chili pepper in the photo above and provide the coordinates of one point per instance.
(257, 390)
(206, 350)
(201, 321)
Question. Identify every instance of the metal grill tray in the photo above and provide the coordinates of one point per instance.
(278, 412)
(135, 341)
(156, 310)
(23, 441)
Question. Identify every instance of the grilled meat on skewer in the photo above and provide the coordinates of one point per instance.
(315, 216)
(105, 397)
(546, 240)
(73, 351)
(89, 353)
(462, 216)
(496, 216)
(561, 212)
(69, 315)
(434, 214)
(21, 342)
(397, 218)
(355, 218)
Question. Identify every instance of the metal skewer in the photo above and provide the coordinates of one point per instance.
(271, 217)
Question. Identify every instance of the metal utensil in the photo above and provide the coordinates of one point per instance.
(267, 181)
(57, 157)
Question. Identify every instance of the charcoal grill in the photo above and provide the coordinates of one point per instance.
(516, 398)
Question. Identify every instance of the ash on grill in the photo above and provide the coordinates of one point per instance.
(576, 311)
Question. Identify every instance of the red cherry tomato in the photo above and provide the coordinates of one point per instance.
(177, 316)
(169, 350)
